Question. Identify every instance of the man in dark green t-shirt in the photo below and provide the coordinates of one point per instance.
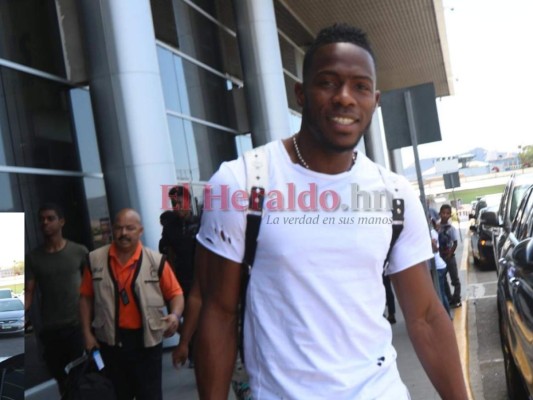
(55, 267)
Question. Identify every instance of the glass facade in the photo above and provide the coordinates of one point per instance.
(30, 35)
(36, 123)
(48, 142)
(48, 153)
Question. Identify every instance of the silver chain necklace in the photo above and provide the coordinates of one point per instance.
(302, 161)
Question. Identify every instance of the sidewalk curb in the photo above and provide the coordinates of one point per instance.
(460, 321)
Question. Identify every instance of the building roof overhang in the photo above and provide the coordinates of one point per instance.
(408, 36)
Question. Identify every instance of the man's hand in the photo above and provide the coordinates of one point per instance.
(172, 321)
(90, 341)
(180, 354)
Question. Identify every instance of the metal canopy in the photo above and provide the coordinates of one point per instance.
(408, 36)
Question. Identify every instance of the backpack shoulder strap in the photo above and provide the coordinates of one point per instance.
(256, 166)
(398, 208)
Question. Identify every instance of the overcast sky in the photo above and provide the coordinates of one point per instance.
(11, 238)
(491, 50)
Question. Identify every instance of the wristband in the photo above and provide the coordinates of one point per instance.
(177, 316)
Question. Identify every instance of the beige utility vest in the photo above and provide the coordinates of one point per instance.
(146, 292)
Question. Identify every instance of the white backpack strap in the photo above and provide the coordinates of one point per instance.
(256, 165)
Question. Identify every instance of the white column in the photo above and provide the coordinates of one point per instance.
(129, 108)
(262, 68)
(375, 145)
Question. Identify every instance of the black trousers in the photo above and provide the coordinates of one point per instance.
(451, 268)
(61, 346)
(135, 370)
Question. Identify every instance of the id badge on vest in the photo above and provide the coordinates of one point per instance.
(124, 297)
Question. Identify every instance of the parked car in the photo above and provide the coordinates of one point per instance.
(481, 240)
(485, 201)
(514, 190)
(11, 316)
(6, 294)
(515, 299)
(12, 378)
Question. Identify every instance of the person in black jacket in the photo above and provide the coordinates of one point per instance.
(178, 242)
(178, 238)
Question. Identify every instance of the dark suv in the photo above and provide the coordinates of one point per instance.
(515, 298)
(514, 190)
(481, 240)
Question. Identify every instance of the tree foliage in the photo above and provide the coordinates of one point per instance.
(526, 155)
(18, 267)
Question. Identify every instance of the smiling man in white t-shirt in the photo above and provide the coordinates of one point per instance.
(314, 327)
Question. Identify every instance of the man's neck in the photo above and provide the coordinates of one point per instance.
(315, 156)
(123, 256)
(55, 243)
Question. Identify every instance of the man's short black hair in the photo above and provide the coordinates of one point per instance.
(446, 207)
(179, 191)
(337, 33)
(52, 207)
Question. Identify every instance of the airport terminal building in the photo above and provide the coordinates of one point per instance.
(104, 104)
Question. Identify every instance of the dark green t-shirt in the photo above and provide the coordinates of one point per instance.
(58, 276)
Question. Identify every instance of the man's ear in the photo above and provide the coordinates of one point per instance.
(299, 92)
(378, 98)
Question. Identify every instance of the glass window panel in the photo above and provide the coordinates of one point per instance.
(203, 39)
(243, 143)
(30, 34)
(168, 79)
(191, 90)
(184, 148)
(36, 126)
(99, 218)
(164, 22)
(82, 114)
(288, 56)
(193, 141)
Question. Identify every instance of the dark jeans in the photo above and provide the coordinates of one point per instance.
(391, 306)
(451, 268)
(135, 370)
(61, 346)
(442, 284)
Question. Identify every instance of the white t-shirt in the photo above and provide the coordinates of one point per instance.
(439, 262)
(314, 327)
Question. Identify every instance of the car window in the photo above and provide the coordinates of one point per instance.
(519, 227)
(527, 229)
(501, 211)
(11, 305)
(517, 195)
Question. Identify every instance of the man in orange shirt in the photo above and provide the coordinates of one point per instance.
(123, 294)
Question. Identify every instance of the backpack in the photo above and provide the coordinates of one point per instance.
(256, 166)
(445, 238)
(85, 382)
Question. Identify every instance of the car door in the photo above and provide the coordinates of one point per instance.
(498, 233)
(516, 281)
